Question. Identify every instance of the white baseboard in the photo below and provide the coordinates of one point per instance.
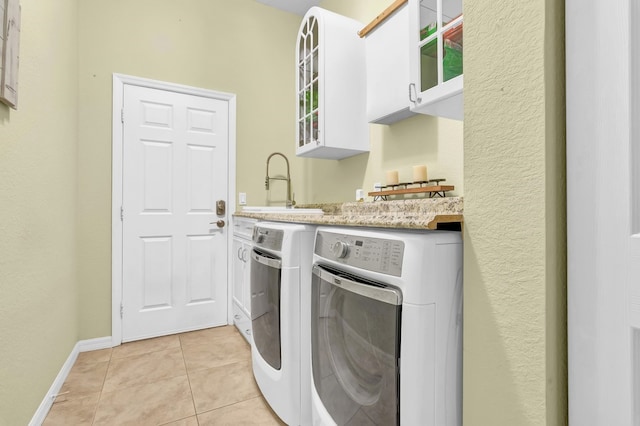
(81, 346)
(94, 344)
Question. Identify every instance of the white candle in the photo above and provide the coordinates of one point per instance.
(392, 177)
(419, 173)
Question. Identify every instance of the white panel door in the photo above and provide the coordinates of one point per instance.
(175, 160)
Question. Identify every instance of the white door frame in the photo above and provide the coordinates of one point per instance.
(600, 62)
(119, 80)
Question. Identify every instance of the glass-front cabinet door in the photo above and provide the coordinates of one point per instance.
(436, 57)
(307, 86)
(330, 87)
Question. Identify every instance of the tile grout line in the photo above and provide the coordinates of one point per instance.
(186, 369)
(129, 385)
(106, 373)
(231, 404)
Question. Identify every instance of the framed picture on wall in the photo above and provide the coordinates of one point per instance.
(9, 51)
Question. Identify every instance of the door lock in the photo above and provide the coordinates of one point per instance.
(220, 223)
(221, 208)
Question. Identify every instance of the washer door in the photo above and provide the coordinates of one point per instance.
(265, 306)
(355, 347)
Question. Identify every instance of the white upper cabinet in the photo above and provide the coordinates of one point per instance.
(388, 69)
(331, 87)
(435, 41)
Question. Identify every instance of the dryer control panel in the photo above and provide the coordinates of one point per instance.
(371, 254)
(268, 238)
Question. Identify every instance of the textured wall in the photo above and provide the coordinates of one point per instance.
(38, 142)
(514, 259)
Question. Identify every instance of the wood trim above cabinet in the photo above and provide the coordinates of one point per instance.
(380, 18)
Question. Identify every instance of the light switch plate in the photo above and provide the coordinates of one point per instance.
(242, 198)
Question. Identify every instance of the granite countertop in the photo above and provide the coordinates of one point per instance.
(427, 213)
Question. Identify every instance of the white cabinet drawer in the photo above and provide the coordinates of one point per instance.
(242, 323)
(243, 227)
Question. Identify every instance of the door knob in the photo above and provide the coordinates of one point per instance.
(220, 224)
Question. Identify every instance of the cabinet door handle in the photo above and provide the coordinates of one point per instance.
(414, 91)
(239, 254)
(244, 256)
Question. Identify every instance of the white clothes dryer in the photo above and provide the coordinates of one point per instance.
(386, 327)
(280, 316)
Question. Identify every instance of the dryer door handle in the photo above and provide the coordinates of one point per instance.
(268, 261)
(372, 290)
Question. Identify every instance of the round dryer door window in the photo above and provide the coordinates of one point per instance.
(355, 347)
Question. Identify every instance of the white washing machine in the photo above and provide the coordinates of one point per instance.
(280, 314)
(386, 327)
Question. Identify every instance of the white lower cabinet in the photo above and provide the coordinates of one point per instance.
(241, 275)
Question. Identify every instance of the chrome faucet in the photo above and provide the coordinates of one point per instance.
(290, 202)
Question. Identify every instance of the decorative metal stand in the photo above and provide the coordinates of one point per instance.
(430, 187)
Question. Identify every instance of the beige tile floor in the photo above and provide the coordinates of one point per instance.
(198, 378)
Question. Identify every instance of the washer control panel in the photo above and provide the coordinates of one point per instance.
(372, 254)
(268, 238)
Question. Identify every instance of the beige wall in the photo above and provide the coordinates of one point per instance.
(235, 46)
(38, 142)
(514, 258)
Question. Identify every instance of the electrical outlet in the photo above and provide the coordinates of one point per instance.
(242, 198)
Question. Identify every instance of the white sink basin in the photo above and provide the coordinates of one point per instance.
(280, 210)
